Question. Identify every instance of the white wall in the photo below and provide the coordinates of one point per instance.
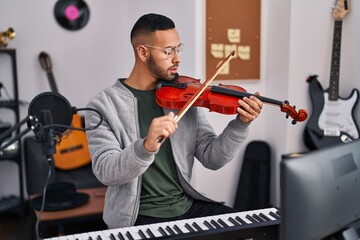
(296, 40)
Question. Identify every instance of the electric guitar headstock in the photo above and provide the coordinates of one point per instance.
(340, 9)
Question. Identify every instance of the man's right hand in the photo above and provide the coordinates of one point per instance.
(160, 128)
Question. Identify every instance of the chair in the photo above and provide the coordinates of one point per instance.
(36, 171)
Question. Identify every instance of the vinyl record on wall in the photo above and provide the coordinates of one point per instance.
(71, 14)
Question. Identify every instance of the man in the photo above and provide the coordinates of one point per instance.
(147, 179)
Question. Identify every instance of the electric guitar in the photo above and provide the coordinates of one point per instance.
(332, 120)
(72, 151)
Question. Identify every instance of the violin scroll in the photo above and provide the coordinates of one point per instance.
(299, 116)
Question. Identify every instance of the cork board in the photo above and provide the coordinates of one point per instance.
(233, 25)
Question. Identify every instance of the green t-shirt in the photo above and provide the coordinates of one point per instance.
(161, 193)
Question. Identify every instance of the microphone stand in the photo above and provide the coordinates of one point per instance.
(32, 124)
(45, 135)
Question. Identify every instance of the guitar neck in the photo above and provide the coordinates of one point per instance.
(52, 82)
(335, 62)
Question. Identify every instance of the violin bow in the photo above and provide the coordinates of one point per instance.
(192, 100)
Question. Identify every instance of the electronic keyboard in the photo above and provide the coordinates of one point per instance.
(254, 224)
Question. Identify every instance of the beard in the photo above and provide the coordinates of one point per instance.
(158, 72)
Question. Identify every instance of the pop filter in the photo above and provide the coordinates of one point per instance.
(60, 108)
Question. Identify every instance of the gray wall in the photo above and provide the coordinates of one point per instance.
(296, 40)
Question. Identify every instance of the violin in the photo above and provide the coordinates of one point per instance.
(221, 99)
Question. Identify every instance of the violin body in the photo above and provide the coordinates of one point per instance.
(221, 99)
(174, 96)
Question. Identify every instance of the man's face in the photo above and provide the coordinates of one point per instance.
(161, 64)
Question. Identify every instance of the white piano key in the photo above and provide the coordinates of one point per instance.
(201, 224)
(65, 238)
(181, 226)
(71, 237)
(78, 236)
(95, 234)
(154, 228)
(134, 231)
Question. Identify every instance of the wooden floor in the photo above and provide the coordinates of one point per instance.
(20, 224)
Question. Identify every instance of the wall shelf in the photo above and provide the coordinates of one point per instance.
(12, 202)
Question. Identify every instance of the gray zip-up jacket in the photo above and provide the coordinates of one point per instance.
(119, 157)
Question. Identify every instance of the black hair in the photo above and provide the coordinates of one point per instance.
(150, 23)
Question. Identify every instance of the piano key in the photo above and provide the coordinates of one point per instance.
(162, 231)
(177, 229)
(189, 227)
(142, 235)
(264, 217)
(215, 224)
(257, 217)
(240, 220)
(150, 233)
(112, 237)
(169, 229)
(164, 226)
(129, 236)
(273, 214)
(222, 222)
(181, 225)
(209, 225)
(236, 223)
(97, 235)
(253, 220)
(196, 226)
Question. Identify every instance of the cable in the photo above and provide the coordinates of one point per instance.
(43, 200)
(75, 128)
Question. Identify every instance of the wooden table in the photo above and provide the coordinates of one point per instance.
(91, 210)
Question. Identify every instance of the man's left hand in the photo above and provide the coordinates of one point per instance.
(250, 108)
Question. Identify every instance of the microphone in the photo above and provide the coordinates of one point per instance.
(59, 107)
(49, 115)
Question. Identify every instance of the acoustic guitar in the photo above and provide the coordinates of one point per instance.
(72, 150)
(332, 120)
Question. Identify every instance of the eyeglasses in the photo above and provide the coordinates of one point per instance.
(169, 51)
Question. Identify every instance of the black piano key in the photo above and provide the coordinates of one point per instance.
(162, 231)
(265, 217)
(98, 237)
(206, 223)
(213, 222)
(242, 221)
(142, 235)
(278, 213)
(120, 236)
(90, 238)
(112, 237)
(150, 233)
(178, 229)
(274, 215)
(196, 226)
(253, 220)
(128, 234)
(170, 230)
(233, 221)
(189, 227)
(222, 223)
(257, 217)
